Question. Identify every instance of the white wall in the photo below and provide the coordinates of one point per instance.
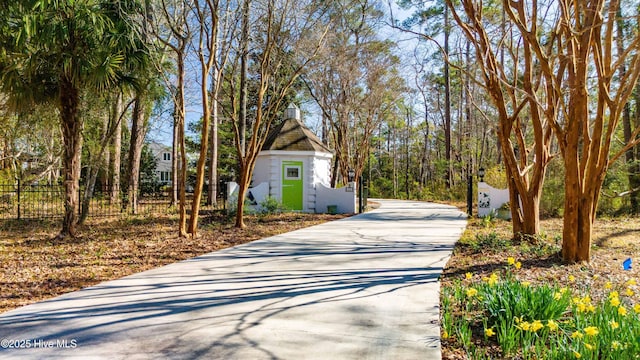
(490, 199)
(259, 192)
(342, 197)
(322, 170)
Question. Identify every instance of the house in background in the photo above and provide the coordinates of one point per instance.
(162, 154)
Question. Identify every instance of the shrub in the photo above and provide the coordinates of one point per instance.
(271, 205)
(491, 241)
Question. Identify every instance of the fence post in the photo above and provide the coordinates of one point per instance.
(18, 199)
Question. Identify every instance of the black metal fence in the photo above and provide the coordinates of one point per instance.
(31, 201)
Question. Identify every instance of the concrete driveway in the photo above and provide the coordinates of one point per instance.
(365, 287)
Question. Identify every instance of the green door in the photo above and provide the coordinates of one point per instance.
(292, 187)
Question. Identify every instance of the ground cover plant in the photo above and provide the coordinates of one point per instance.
(506, 300)
(34, 266)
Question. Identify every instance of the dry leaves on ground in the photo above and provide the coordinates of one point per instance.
(34, 266)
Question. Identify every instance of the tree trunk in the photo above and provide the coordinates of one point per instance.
(447, 102)
(528, 211)
(634, 168)
(407, 155)
(89, 190)
(174, 159)
(114, 167)
(212, 199)
(394, 156)
(575, 215)
(104, 175)
(426, 166)
(325, 129)
(334, 172)
(630, 158)
(243, 186)
(72, 137)
(200, 167)
(135, 152)
(180, 137)
(578, 223)
(111, 126)
(244, 68)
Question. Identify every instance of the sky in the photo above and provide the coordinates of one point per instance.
(161, 128)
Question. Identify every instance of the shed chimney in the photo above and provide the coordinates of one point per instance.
(292, 112)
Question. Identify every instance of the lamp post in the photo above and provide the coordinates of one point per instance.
(351, 175)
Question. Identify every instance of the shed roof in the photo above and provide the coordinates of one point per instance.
(292, 135)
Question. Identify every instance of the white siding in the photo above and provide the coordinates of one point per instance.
(261, 170)
(162, 154)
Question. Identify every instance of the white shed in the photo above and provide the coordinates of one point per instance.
(294, 162)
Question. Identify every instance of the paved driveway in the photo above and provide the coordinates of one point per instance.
(365, 287)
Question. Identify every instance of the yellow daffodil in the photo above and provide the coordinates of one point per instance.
(613, 294)
(524, 326)
(622, 311)
(631, 282)
(526, 283)
(468, 275)
(576, 300)
(589, 346)
(518, 265)
(591, 330)
(591, 308)
(615, 345)
(614, 301)
(489, 332)
(583, 304)
(629, 292)
(445, 334)
(576, 354)
(493, 279)
(636, 308)
(557, 295)
(511, 260)
(581, 307)
(472, 292)
(577, 335)
(608, 285)
(552, 325)
(614, 324)
(536, 325)
(572, 278)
